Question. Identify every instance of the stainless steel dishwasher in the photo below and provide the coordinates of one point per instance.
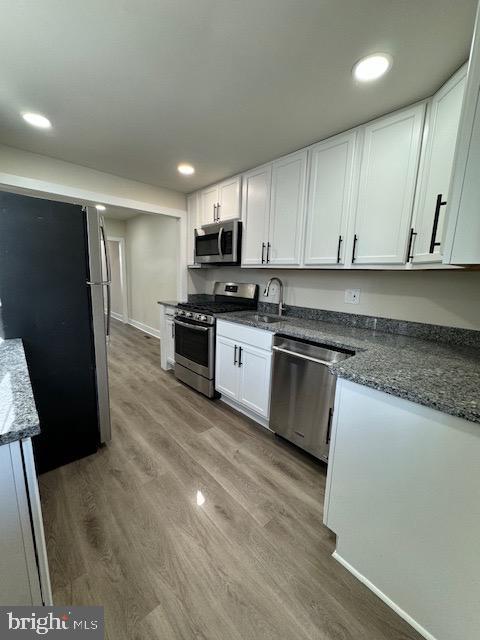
(303, 393)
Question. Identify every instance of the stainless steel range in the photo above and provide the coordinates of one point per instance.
(195, 332)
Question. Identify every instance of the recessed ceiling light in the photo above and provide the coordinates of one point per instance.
(372, 67)
(100, 207)
(186, 169)
(37, 120)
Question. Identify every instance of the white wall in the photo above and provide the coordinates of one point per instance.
(151, 244)
(23, 169)
(449, 298)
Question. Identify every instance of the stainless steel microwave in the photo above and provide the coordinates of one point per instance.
(218, 243)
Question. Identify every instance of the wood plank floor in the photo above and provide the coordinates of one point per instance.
(124, 529)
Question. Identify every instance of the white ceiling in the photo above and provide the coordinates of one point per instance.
(134, 87)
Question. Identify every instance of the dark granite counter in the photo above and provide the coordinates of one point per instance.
(18, 414)
(168, 303)
(442, 376)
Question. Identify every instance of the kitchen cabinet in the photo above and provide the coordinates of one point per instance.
(462, 242)
(192, 224)
(287, 205)
(273, 212)
(255, 211)
(388, 172)
(208, 205)
(330, 199)
(243, 366)
(443, 117)
(226, 367)
(221, 201)
(167, 336)
(402, 487)
(23, 557)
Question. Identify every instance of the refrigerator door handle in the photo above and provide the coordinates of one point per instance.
(108, 281)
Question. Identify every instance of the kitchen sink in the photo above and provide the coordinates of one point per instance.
(261, 317)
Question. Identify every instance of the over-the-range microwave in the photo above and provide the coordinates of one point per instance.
(218, 243)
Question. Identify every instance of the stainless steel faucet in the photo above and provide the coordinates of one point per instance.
(281, 305)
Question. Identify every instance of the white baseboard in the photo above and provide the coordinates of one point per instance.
(403, 614)
(145, 328)
(118, 316)
(250, 414)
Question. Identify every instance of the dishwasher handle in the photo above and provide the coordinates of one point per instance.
(303, 357)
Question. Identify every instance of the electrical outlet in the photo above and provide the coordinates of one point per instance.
(352, 296)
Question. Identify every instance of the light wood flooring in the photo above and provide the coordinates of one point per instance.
(124, 529)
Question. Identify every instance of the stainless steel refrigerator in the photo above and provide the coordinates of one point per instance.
(53, 293)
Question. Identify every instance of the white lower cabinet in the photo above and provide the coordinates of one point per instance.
(167, 336)
(255, 370)
(243, 366)
(24, 575)
(226, 368)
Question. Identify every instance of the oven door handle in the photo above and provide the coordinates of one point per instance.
(220, 233)
(192, 326)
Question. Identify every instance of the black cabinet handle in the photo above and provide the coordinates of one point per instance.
(329, 427)
(410, 245)
(218, 211)
(355, 240)
(214, 212)
(240, 356)
(340, 240)
(439, 203)
(235, 355)
(263, 251)
(268, 252)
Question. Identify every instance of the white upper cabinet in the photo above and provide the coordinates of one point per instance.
(443, 117)
(192, 223)
(221, 201)
(330, 199)
(208, 205)
(462, 243)
(287, 204)
(387, 184)
(229, 199)
(255, 214)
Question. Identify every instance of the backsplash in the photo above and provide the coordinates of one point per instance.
(437, 333)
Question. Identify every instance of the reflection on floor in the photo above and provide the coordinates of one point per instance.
(195, 523)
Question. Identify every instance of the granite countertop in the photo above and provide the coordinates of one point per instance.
(441, 376)
(168, 303)
(18, 414)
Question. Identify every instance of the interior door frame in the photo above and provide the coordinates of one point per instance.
(122, 256)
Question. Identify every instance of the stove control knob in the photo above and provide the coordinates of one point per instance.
(188, 314)
(202, 318)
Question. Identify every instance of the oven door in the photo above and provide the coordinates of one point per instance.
(194, 347)
(217, 243)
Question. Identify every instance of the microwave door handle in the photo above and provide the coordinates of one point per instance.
(220, 233)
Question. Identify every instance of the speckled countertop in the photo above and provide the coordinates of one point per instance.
(442, 376)
(18, 414)
(168, 303)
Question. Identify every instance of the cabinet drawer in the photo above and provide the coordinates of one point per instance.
(249, 335)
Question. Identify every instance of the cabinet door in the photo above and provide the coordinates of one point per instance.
(436, 168)
(462, 244)
(287, 209)
(388, 173)
(170, 339)
(208, 205)
(226, 367)
(255, 211)
(192, 223)
(255, 372)
(330, 199)
(229, 199)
